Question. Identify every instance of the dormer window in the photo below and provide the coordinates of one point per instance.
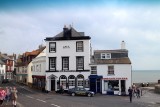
(105, 55)
(52, 47)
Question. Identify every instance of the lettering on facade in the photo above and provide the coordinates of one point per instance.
(65, 47)
(115, 78)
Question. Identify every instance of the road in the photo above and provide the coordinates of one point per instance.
(31, 98)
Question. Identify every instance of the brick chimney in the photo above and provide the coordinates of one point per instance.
(66, 32)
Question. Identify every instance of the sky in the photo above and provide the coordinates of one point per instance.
(24, 24)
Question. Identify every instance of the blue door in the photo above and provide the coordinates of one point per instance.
(95, 83)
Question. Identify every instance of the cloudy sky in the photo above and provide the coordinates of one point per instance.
(24, 24)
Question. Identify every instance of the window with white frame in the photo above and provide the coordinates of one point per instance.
(86, 83)
(52, 63)
(39, 67)
(71, 83)
(93, 69)
(111, 70)
(79, 46)
(80, 80)
(105, 55)
(63, 81)
(65, 63)
(52, 47)
(71, 80)
(80, 62)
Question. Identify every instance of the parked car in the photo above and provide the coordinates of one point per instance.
(80, 91)
(5, 81)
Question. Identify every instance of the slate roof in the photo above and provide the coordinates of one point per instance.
(71, 33)
(1, 62)
(111, 51)
(124, 60)
(121, 58)
(5, 57)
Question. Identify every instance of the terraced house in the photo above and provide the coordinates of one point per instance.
(9, 61)
(23, 68)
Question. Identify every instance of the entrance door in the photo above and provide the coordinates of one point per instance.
(93, 84)
(52, 84)
(123, 87)
(98, 86)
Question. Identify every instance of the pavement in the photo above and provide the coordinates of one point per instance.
(148, 97)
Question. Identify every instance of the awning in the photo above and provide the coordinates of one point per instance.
(38, 76)
(96, 76)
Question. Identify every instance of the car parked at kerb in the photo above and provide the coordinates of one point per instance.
(80, 91)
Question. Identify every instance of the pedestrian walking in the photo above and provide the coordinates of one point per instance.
(138, 92)
(14, 96)
(2, 96)
(134, 89)
(8, 93)
(61, 89)
(130, 91)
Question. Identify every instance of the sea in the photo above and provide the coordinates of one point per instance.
(144, 76)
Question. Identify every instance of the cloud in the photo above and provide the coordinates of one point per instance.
(22, 31)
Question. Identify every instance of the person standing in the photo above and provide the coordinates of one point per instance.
(130, 91)
(2, 95)
(61, 89)
(8, 92)
(14, 96)
(138, 92)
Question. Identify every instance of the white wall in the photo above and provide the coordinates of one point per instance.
(39, 60)
(3, 71)
(120, 71)
(29, 79)
(67, 74)
(69, 52)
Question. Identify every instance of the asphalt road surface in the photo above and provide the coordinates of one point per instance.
(28, 97)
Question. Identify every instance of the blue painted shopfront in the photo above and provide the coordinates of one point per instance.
(95, 83)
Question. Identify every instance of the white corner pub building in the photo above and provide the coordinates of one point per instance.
(67, 60)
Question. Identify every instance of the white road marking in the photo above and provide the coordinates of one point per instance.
(41, 100)
(152, 102)
(55, 105)
(29, 96)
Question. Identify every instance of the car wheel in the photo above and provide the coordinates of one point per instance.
(73, 94)
(89, 95)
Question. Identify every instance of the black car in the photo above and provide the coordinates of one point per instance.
(80, 91)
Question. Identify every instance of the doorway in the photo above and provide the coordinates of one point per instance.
(98, 85)
(123, 87)
(52, 84)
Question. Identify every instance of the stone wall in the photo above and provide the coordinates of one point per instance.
(157, 88)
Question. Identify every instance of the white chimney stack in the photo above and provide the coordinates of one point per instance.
(123, 45)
